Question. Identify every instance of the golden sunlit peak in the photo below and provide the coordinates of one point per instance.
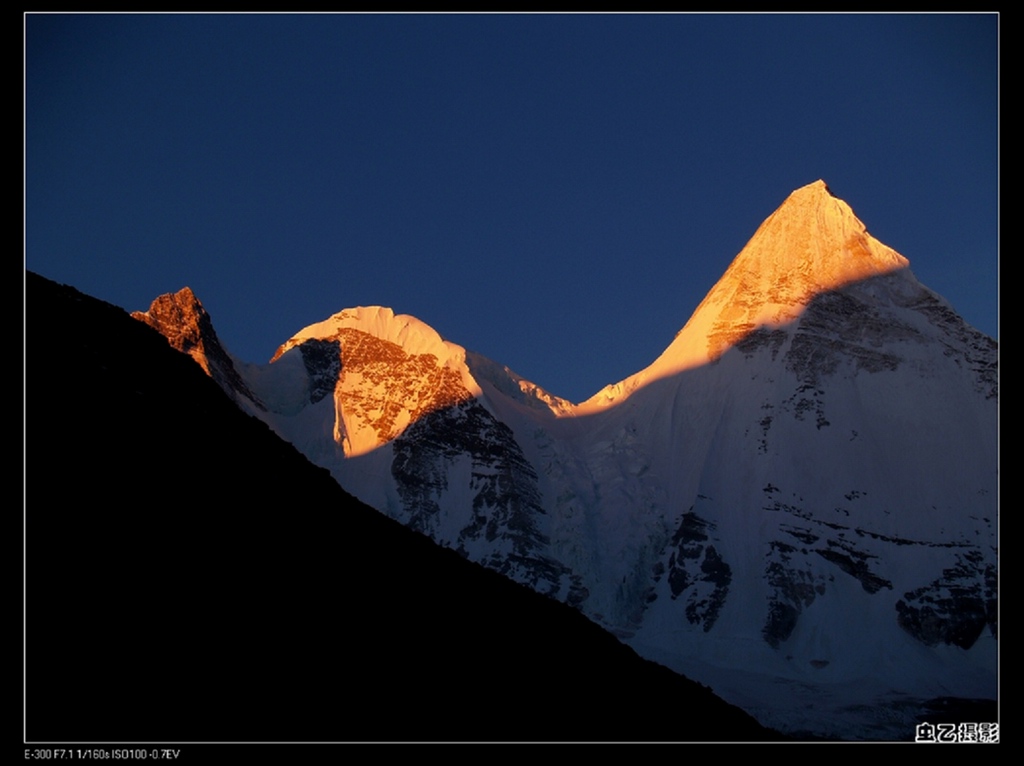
(812, 244)
(412, 334)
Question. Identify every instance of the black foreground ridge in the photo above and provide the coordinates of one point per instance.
(190, 577)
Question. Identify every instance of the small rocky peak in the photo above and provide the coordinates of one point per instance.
(180, 318)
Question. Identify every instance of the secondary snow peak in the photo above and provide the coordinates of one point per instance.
(413, 335)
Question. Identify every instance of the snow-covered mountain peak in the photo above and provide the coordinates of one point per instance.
(817, 235)
(413, 335)
(813, 244)
(381, 371)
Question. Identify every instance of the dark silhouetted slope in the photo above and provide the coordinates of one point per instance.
(192, 577)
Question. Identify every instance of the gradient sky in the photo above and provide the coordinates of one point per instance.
(556, 192)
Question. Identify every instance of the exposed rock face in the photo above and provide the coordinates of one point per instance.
(322, 359)
(500, 529)
(182, 319)
(956, 607)
(697, 572)
(794, 586)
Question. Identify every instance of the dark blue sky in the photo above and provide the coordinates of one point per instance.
(556, 192)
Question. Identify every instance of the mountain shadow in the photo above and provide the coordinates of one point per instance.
(190, 577)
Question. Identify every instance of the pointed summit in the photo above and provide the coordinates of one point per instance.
(181, 318)
(811, 245)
